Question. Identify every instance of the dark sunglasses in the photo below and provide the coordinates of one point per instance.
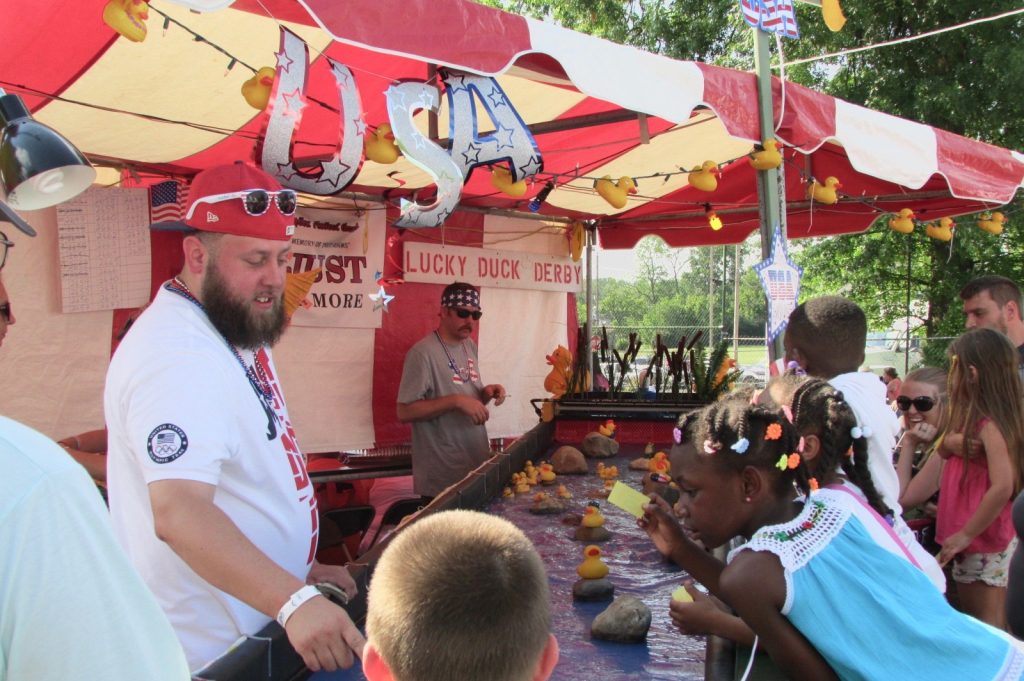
(922, 404)
(5, 244)
(5, 312)
(465, 314)
(256, 201)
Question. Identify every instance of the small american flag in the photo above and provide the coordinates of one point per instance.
(167, 200)
(751, 12)
(778, 16)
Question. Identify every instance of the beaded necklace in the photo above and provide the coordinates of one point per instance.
(258, 378)
(463, 373)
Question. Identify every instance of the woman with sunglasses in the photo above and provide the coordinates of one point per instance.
(921, 403)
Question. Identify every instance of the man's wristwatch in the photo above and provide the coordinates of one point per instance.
(294, 601)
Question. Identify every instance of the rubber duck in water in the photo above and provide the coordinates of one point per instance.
(507, 493)
(592, 515)
(615, 193)
(592, 566)
(501, 179)
(523, 486)
(547, 474)
(128, 18)
(607, 472)
(659, 463)
(824, 193)
(256, 90)
(563, 493)
(766, 156)
(380, 146)
(903, 222)
(702, 177)
(943, 231)
(607, 428)
(993, 224)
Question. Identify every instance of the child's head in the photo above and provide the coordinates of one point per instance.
(730, 459)
(459, 595)
(826, 336)
(922, 398)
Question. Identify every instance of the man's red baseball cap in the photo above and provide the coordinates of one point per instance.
(219, 201)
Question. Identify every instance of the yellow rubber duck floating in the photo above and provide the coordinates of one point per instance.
(501, 179)
(523, 485)
(607, 472)
(902, 222)
(507, 493)
(128, 18)
(256, 90)
(824, 193)
(993, 224)
(563, 493)
(380, 146)
(615, 193)
(592, 516)
(547, 474)
(592, 566)
(659, 463)
(766, 156)
(607, 428)
(943, 231)
(702, 177)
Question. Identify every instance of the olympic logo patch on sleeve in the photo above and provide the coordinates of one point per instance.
(166, 443)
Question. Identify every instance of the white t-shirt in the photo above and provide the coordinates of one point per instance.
(866, 396)
(179, 406)
(71, 606)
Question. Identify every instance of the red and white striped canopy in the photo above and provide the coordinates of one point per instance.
(170, 104)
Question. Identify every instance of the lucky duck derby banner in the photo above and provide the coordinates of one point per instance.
(345, 250)
(435, 264)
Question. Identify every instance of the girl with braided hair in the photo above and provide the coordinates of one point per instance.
(822, 580)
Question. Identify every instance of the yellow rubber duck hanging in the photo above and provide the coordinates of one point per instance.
(832, 13)
(766, 156)
(992, 223)
(702, 177)
(256, 90)
(903, 222)
(615, 193)
(943, 231)
(577, 239)
(501, 179)
(128, 18)
(380, 146)
(824, 193)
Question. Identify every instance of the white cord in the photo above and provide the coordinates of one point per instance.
(782, 82)
(750, 662)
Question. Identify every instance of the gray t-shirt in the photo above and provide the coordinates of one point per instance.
(445, 448)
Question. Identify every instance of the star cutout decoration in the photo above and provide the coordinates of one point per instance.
(780, 278)
(455, 82)
(294, 103)
(284, 62)
(360, 126)
(497, 97)
(472, 154)
(341, 75)
(503, 136)
(380, 299)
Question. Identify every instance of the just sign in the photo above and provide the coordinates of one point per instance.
(510, 144)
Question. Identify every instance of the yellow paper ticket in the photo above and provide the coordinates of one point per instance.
(628, 499)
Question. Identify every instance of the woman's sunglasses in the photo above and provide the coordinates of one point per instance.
(465, 314)
(922, 404)
(256, 201)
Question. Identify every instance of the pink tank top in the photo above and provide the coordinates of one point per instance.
(959, 498)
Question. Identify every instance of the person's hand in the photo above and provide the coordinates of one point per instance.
(495, 392)
(921, 432)
(332, 574)
(661, 526)
(953, 545)
(322, 633)
(473, 408)
(952, 443)
(703, 615)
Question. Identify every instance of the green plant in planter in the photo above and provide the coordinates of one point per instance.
(713, 375)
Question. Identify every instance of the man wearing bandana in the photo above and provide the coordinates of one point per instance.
(443, 397)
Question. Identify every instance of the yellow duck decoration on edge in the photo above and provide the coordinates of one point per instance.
(615, 193)
(943, 231)
(993, 224)
(607, 428)
(765, 156)
(127, 17)
(501, 179)
(592, 566)
(557, 380)
(903, 222)
(824, 193)
(379, 145)
(592, 516)
(703, 178)
(256, 90)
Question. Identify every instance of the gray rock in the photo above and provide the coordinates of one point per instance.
(593, 590)
(626, 620)
(592, 534)
(548, 506)
(569, 461)
(598, 446)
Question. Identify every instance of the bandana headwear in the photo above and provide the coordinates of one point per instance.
(464, 297)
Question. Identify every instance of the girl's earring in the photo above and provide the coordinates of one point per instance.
(746, 499)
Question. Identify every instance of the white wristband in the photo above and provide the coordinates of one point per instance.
(294, 601)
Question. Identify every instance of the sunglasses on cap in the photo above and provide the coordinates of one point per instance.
(465, 314)
(5, 245)
(922, 404)
(256, 201)
(5, 312)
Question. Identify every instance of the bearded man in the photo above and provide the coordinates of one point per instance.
(208, 488)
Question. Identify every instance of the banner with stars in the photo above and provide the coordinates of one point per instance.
(780, 278)
(347, 247)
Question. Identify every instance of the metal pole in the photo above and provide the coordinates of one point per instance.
(736, 305)
(711, 297)
(590, 235)
(906, 342)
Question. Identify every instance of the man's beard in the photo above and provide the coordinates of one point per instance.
(240, 326)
